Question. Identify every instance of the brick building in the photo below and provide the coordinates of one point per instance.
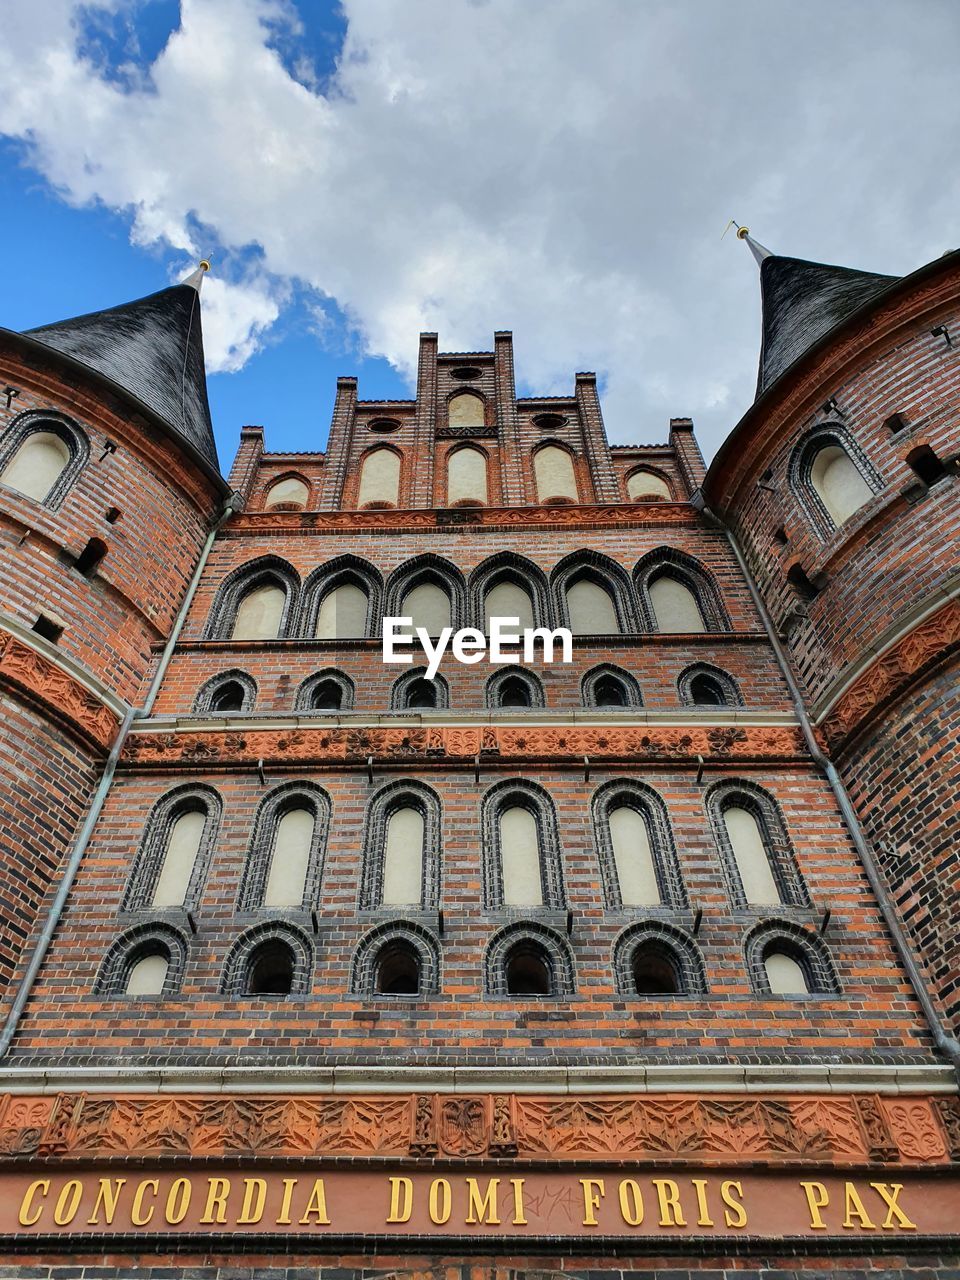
(645, 961)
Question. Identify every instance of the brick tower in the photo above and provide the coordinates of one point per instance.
(590, 967)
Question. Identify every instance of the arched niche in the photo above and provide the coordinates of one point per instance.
(380, 478)
(466, 476)
(465, 409)
(647, 486)
(554, 473)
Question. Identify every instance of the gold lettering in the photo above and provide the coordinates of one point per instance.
(668, 1193)
(254, 1195)
(401, 1199)
(519, 1218)
(43, 1186)
(137, 1216)
(700, 1186)
(216, 1206)
(68, 1202)
(178, 1201)
(817, 1199)
(486, 1209)
(734, 1215)
(631, 1202)
(853, 1205)
(317, 1204)
(890, 1200)
(439, 1202)
(591, 1199)
(109, 1197)
(283, 1217)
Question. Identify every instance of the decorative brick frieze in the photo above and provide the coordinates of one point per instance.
(56, 691)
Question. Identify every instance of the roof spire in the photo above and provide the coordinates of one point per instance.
(195, 278)
(758, 250)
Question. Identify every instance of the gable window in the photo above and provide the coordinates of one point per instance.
(465, 410)
(290, 493)
(379, 479)
(647, 486)
(466, 477)
(554, 475)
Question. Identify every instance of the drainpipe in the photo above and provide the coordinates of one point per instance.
(233, 503)
(948, 1045)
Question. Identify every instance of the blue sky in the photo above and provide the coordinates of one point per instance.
(360, 172)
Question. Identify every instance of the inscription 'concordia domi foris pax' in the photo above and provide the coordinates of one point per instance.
(461, 967)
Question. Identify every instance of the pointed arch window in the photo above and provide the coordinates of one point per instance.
(677, 595)
(507, 599)
(832, 477)
(591, 609)
(402, 849)
(675, 606)
(41, 456)
(342, 599)
(466, 476)
(289, 493)
(703, 685)
(260, 613)
(327, 691)
(610, 688)
(509, 586)
(343, 613)
(379, 478)
(414, 692)
(228, 693)
(647, 486)
(514, 687)
(258, 601)
(171, 864)
(465, 409)
(593, 595)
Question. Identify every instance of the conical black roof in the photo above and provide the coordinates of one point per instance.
(803, 301)
(153, 349)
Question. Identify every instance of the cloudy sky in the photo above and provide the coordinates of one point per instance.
(562, 168)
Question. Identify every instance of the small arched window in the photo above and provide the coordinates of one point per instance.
(288, 492)
(290, 860)
(514, 693)
(785, 975)
(520, 858)
(554, 474)
(675, 606)
(527, 959)
(179, 859)
(229, 696)
(148, 975)
(272, 959)
(609, 687)
(784, 959)
(706, 686)
(227, 693)
(399, 958)
(513, 687)
(507, 599)
(403, 858)
(343, 613)
(428, 604)
(647, 486)
(260, 613)
(421, 694)
(379, 479)
(610, 692)
(37, 465)
(654, 971)
(414, 692)
(466, 476)
(465, 410)
(591, 609)
(527, 971)
(397, 970)
(654, 958)
(705, 691)
(327, 695)
(841, 487)
(270, 970)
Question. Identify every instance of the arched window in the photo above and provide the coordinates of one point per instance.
(327, 691)
(760, 866)
(414, 692)
(521, 856)
(513, 687)
(508, 600)
(647, 486)
(147, 961)
(702, 685)
(290, 492)
(41, 456)
(638, 859)
(171, 864)
(397, 959)
(784, 959)
(379, 478)
(528, 960)
(554, 474)
(227, 693)
(285, 862)
(431, 591)
(343, 614)
(260, 613)
(258, 601)
(465, 409)
(509, 586)
(677, 595)
(272, 960)
(609, 688)
(842, 489)
(654, 958)
(342, 599)
(592, 595)
(402, 845)
(466, 476)
(831, 476)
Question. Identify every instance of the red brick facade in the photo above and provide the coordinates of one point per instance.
(597, 1075)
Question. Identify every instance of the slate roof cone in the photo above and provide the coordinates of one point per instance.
(153, 350)
(801, 302)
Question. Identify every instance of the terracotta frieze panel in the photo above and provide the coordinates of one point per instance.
(893, 672)
(623, 514)
(426, 744)
(56, 691)
(774, 1129)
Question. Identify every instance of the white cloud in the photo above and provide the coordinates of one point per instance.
(559, 168)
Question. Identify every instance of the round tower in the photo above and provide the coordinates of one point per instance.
(109, 483)
(840, 485)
